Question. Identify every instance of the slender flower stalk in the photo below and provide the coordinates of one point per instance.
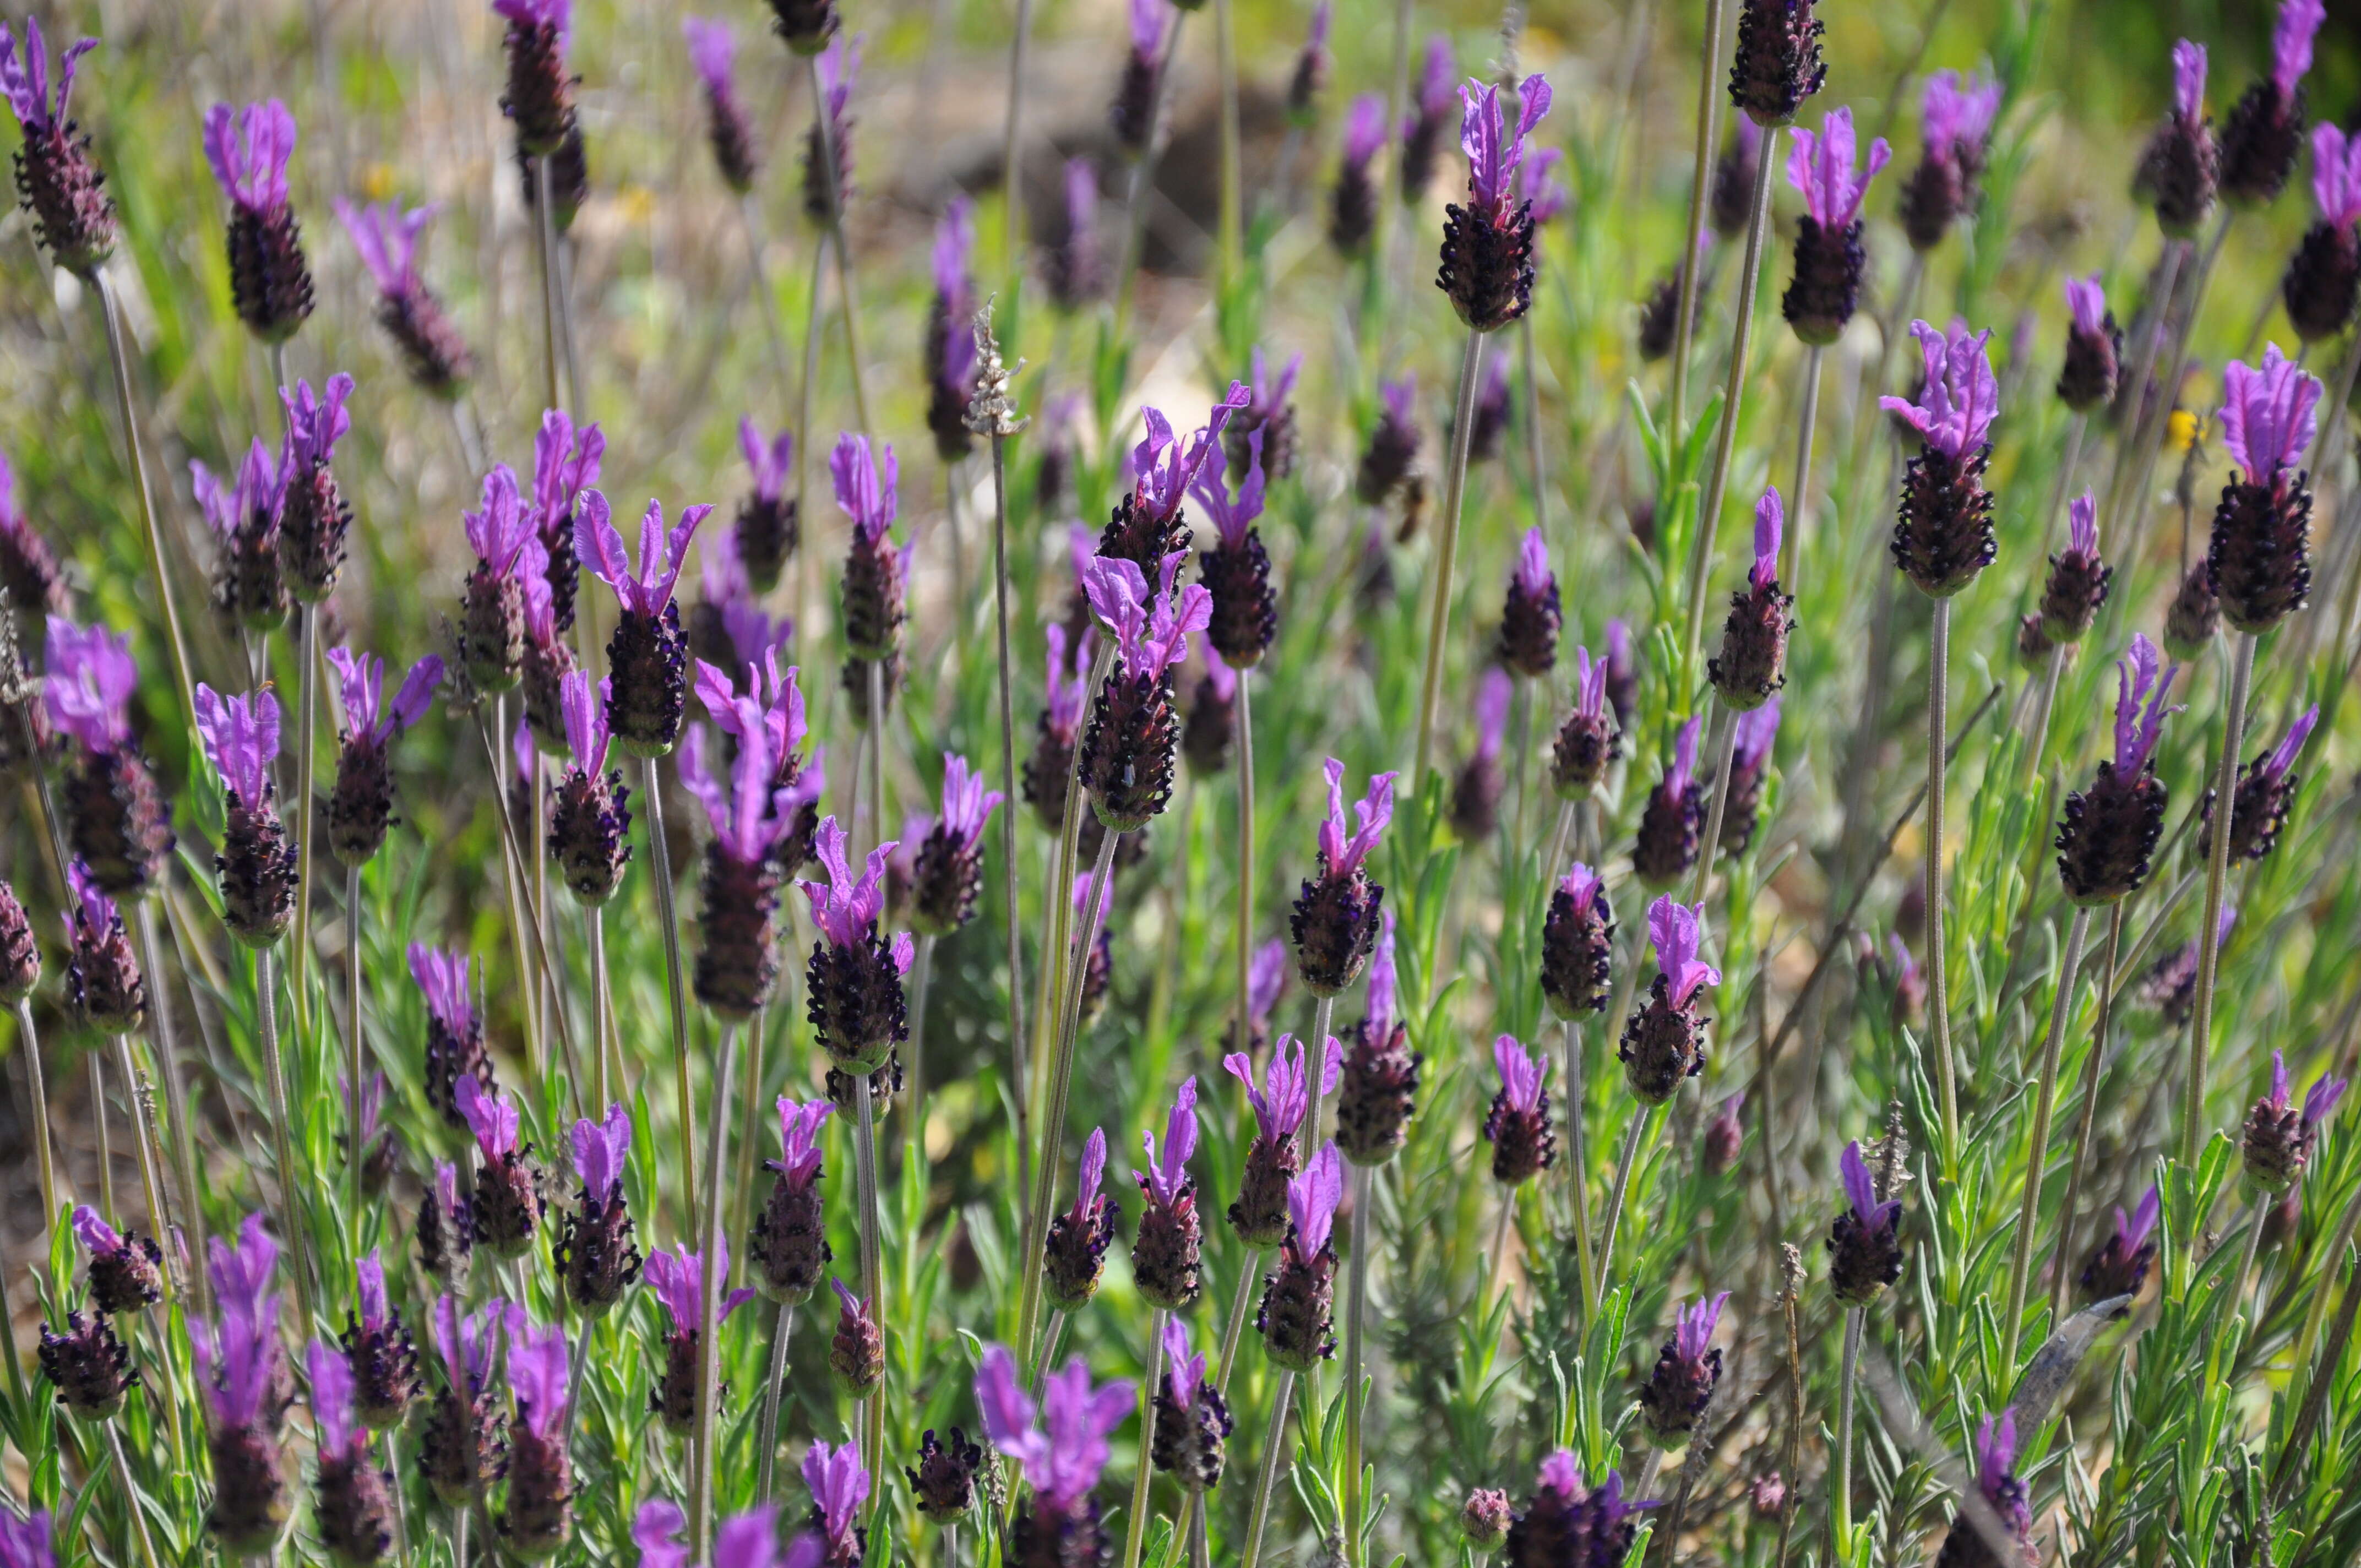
(828, 187)
(1139, 113)
(1296, 1319)
(20, 971)
(1703, 186)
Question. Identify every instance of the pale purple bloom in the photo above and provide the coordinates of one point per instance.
(331, 1400)
(1152, 633)
(839, 1487)
(954, 244)
(94, 908)
(1067, 689)
(1147, 27)
(1757, 731)
(2336, 174)
(2299, 23)
(537, 1372)
(1995, 1471)
(250, 151)
(1234, 515)
(1271, 393)
(467, 1345)
(1186, 1371)
(387, 238)
(241, 1270)
(781, 707)
(1265, 978)
(25, 1543)
(1562, 1474)
(1162, 469)
(1311, 1199)
(25, 81)
(584, 708)
(2086, 299)
(2132, 1231)
(1164, 1176)
(230, 507)
(1682, 773)
(237, 1357)
(566, 461)
(1544, 194)
(1822, 168)
(599, 1151)
(1861, 1193)
(492, 1117)
(1531, 572)
(2137, 683)
(1960, 400)
(661, 555)
(375, 1311)
(1957, 114)
(1063, 1456)
(840, 70)
(1590, 685)
(442, 977)
(315, 422)
(748, 817)
(1491, 710)
(712, 51)
(1522, 1076)
(241, 740)
(1379, 1017)
(1769, 518)
(1493, 151)
(967, 805)
(2283, 756)
(845, 907)
(499, 532)
(2269, 415)
(1438, 76)
(1401, 399)
(1581, 884)
(2082, 525)
(555, 14)
(1675, 931)
(861, 493)
(677, 1277)
(1344, 854)
(89, 682)
(799, 1150)
(771, 462)
(97, 1237)
(1693, 1326)
(2188, 79)
(1286, 1094)
(1365, 128)
(2318, 1100)
(660, 1520)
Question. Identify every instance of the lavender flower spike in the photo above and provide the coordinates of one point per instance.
(1487, 245)
(59, 185)
(257, 863)
(387, 236)
(1353, 205)
(1943, 533)
(1063, 1454)
(1279, 1104)
(839, 1487)
(1672, 930)
(241, 740)
(2140, 711)
(25, 1543)
(2278, 1140)
(854, 981)
(1518, 1127)
(2269, 415)
(1960, 399)
(1865, 1243)
(1822, 169)
(647, 590)
(271, 283)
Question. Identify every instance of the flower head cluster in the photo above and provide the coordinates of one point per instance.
(1487, 245)
(56, 180)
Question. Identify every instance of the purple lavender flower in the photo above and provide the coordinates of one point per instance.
(1389, 462)
(857, 1352)
(1663, 1040)
(1428, 117)
(1477, 788)
(2094, 348)
(508, 1205)
(855, 978)
(712, 51)
(1566, 1521)
(1673, 822)
(1778, 64)
(2323, 277)
(432, 352)
(596, 1256)
(1309, 77)
(2266, 790)
(1243, 614)
(246, 1385)
(1272, 1160)
(31, 584)
(950, 856)
(1149, 524)
(950, 341)
(828, 182)
(56, 180)
(1192, 1419)
(647, 656)
(446, 1228)
(539, 1515)
(105, 993)
(1731, 206)
(1131, 111)
(1590, 741)
(241, 740)
(463, 1446)
(540, 97)
(1299, 1297)
(491, 622)
(248, 591)
(25, 1543)
(839, 1487)
(2003, 1494)
(1577, 941)
(1829, 255)
(875, 571)
(1334, 919)
(2077, 585)
(2118, 1265)
(737, 961)
(1127, 750)
(787, 1248)
(2278, 1137)
(270, 282)
(1725, 1135)
(590, 815)
(257, 863)
(88, 1365)
(117, 821)
(2180, 171)
(125, 1271)
(943, 1481)
(2263, 133)
(1687, 1371)
(1075, 1249)
(1531, 616)
(352, 1499)
(1955, 124)
(2108, 831)
(1164, 1250)
(380, 1359)
(2258, 559)
(1750, 746)
(1353, 205)
(1062, 1453)
(1059, 729)
(1865, 1242)
(768, 529)
(565, 460)
(313, 516)
(677, 1278)
(1751, 665)
(1518, 1127)
(1074, 272)
(455, 1035)
(1943, 534)
(1487, 245)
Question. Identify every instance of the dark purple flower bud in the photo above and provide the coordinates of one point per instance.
(1210, 728)
(677, 1278)
(590, 815)
(1135, 94)
(805, 26)
(1148, 524)
(1353, 205)
(1865, 1242)
(105, 993)
(943, 1481)
(270, 282)
(1243, 613)
(877, 571)
(1749, 760)
(313, 516)
(2282, 1218)
(647, 658)
(257, 860)
(565, 465)
(1725, 1135)
(1485, 1517)
(2008, 1499)
(595, 1255)
(2108, 831)
(1663, 1040)
(455, 1035)
(492, 623)
(1565, 1521)
(1487, 245)
(1164, 1250)
(463, 1444)
(950, 339)
(855, 979)
(1309, 77)
(1531, 616)
(1059, 729)
(508, 1205)
(1518, 1128)
(712, 51)
(1687, 1371)
(1591, 738)
(857, 1353)
(2119, 1265)
(549, 661)
(90, 1368)
(1128, 748)
(1901, 971)
(768, 529)
(2033, 644)
(380, 1359)
(2265, 789)
(247, 1386)
(126, 1269)
(2180, 172)
(1429, 117)
(1299, 1297)
(432, 352)
(1075, 1251)
(446, 1228)
(1751, 665)
(827, 185)
(21, 955)
(1062, 1457)
(2260, 557)
(1477, 788)
(1673, 821)
(56, 180)
(1392, 452)
(1192, 1419)
(2093, 348)
(248, 592)
(539, 1515)
(1956, 126)
(352, 1499)
(1779, 63)
(1943, 534)
(1075, 273)
(788, 1244)
(1659, 324)
(1378, 1087)
(1829, 255)
(30, 581)
(1269, 413)
(540, 96)
(2278, 1137)
(1732, 207)
(1766, 1494)
(2264, 131)
(2078, 581)
(1577, 941)
(1334, 920)
(950, 859)
(2194, 616)
(2323, 275)
(1273, 1159)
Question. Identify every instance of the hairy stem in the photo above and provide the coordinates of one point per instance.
(1840, 1489)
(1142, 185)
(1356, 1298)
(184, 1148)
(1725, 751)
(1243, 712)
(274, 1075)
(111, 309)
(1578, 1170)
(1315, 1058)
(1642, 1117)
(1250, 1275)
(1939, 1006)
(38, 1096)
(783, 1332)
(1799, 498)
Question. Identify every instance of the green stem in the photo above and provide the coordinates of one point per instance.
(111, 309)
(668, 925)
(1009, 871)
(1315, 1071)
(2093, 1068)
(1578, 1170)
(2217, 869)
(2045, 1099)
(1700, 175)
(1840, 1492)
(37, 1088)
(1274, 1441)
(1642, 1117)
(1356, 1298)
(1136, 1530)
(1446, 553)
(708, 1298)
(1242, 711)
(1249, 1275)
(1938, 998)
